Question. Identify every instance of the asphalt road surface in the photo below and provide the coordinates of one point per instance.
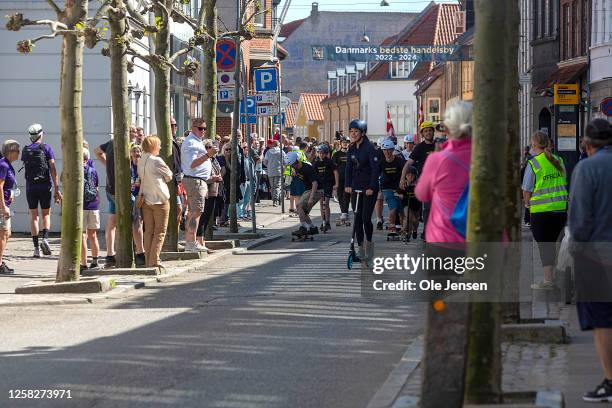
(281, 326)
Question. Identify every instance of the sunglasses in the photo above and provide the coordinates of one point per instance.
(208, 146)
(201, 128)
(173, 124)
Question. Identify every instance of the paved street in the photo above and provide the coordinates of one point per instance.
(283, 325)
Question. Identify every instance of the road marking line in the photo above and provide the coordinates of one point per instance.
(388, 392)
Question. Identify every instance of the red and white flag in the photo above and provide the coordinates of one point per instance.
(420, 119)
(390, 129)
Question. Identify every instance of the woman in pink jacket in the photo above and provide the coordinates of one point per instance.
(446, 173)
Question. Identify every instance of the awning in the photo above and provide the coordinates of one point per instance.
(563, 75)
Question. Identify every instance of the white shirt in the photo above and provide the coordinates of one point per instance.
(154, 174)
(191, 149)
(406, 153)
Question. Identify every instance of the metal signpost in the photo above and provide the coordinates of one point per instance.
(567, 103)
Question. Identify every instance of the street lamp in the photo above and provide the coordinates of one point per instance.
(365, 37)
(384, 3)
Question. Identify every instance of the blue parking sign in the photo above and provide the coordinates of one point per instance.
(266, 80)
(251, 111)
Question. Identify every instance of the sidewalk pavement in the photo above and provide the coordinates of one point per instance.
(18, 255)
(570, 368)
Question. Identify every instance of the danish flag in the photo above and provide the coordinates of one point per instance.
(390, 129)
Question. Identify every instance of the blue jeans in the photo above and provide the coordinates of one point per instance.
(246, 199)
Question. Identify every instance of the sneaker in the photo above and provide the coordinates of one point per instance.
(82, 268)
(94, 265)
(194, 247)
(140, 259)
(327, 226)
(110, 261)
(36, 252)
(601, 393)
(544, 285)
(300, 231)
(379, 225)
(313, 231)
(292, 210)
(46, 249)
(5, 270)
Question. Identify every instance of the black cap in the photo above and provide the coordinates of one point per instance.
(600, 130)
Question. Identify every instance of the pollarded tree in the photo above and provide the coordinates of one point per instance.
(70, 25)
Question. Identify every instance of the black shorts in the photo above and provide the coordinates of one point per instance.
(594, 315)
(39, 196)
(328, 192)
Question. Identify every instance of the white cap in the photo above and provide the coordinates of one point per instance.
(291, 158)
(36, 131)
(388, 145)
(409, 139)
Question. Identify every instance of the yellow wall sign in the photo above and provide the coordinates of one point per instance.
(567, 94)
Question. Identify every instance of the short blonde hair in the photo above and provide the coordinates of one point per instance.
(151, 143)
(86, 155)
(9, 146)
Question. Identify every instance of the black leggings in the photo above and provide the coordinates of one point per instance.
(209, 208)
(546, 228)
(363, 216)
(344, 198)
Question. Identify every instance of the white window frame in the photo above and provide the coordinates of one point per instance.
(433, 116)
(260, 19)
(401, 116)
(401, 69)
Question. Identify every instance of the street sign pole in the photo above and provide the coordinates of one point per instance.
(280, 122)
(249, 147)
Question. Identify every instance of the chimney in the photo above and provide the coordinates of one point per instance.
(314, 12)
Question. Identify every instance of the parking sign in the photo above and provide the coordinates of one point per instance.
(251, 111)
(266, 80)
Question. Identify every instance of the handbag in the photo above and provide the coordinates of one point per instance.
(140, 200)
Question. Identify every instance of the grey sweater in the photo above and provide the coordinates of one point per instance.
(590, 206)
(273, 161)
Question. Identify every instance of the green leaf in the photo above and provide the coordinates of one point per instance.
(159, 22)
(80, 25)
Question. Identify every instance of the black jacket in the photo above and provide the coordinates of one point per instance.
(362, 167)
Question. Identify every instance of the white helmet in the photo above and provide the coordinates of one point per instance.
(409, 139)
(36, 131)
(291, 158)
(388, 145)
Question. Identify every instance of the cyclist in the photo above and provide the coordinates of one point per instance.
(362, 173)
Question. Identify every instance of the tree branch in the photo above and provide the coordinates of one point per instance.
(54, 25)
(137, 54)
(100, 14)
(135, 14)
(55, 7)
(179, 53)
(42, 37)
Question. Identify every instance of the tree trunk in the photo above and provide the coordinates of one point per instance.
(236, 123)
(487, 193)
(71, 119)
(511, 310)
(162, 119)
(121, 136)
(209, 98)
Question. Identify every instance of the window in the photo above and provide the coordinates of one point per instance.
(547, 19)
(401, 69)
(575, 38)
(467, 79)
(584, 38)
(401, 115)
(537, 10)
(566, 18)
(260, 18)
(433, 109)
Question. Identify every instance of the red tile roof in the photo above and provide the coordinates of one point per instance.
(291, 114)
(563, 75)
(290, 27)
(434, 26)
(312, 105)
(425, 82)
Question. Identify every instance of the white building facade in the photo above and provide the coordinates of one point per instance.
(525, 80)
(601, 56)
(30, 94)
